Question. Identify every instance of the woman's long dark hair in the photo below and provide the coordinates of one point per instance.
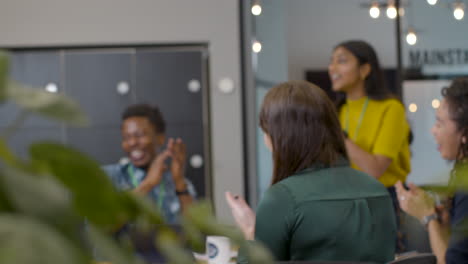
(303, 126)
(375, 85)
(456, 95)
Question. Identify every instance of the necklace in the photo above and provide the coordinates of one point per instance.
(361, 117)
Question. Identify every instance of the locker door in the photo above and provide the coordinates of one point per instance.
(192, 135)
(100, 81)
(41, 70)
(172, 80)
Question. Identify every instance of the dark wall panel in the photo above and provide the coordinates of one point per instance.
(162, 78)
(92, 78)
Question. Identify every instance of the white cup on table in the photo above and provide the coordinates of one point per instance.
(218, 249)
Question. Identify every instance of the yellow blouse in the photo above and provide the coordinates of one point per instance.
(383, 130)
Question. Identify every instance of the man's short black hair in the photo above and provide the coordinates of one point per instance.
(150, 112)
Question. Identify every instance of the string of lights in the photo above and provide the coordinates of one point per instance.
(375, 7)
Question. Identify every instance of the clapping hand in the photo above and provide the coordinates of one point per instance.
(178, 153)
(243, 215)
(415, 201)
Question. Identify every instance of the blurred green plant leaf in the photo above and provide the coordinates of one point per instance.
(257, 253)
(24, 240)
(8, 157)
(194, 236)
(52, 105)
(4, 71)
(108, 249)
(142, 207)
(201, 216)
(458, 181)
(40, 197)
(94, 196)
(170, 246)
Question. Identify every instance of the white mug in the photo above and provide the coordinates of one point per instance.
(218, 249)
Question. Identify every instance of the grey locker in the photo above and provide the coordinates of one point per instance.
(23, 138)
(92, 78)
(192, 135)
(171, 78)
(162, 78)
(101, 143)
(35, 69)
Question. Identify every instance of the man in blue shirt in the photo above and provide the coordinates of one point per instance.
(146, 171)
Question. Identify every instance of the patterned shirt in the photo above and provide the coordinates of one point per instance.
(126, 177)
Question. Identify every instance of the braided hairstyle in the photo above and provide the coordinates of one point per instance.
(456, 96)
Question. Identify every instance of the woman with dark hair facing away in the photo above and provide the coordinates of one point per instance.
(447, 226)
(317, 207)
(373, 120)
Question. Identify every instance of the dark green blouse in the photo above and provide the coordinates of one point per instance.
(330, 214)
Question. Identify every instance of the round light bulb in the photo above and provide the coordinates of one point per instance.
(256, 47)
(432, 2)
(458, 13)
(413, 108)
(391, 12)
(435, 103)
(374, 11)
(256, 10)
(411, 38)
(51, 88)
(401, 11)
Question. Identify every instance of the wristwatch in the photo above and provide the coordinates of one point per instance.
(428, 218)
(184, 192)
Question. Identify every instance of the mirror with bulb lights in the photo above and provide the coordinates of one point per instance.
(294, 40)
(433, 46)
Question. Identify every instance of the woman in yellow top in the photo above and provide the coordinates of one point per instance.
(373, 119)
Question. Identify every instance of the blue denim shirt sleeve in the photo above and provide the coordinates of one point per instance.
(163, 194)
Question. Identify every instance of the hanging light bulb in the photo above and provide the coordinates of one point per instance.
(411, 37)
(401, 12)
(256, 46)
(374, 11)
(432, 2)
(413, 107)
(459, 11)
(256, 8)
(391, 10)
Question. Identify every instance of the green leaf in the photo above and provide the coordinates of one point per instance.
(257, 253)
(8, 157)
(202, 217)
(39, 197)
(194, 236)
(169, 245)
(108, 249)
(4, 72)
(94, 196)
(52, 105)
(26, 241)
(458, 181)
(140, 206)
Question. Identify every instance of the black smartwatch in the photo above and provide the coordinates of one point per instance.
(184, 192)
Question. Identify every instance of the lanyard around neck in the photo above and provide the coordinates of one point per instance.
(361, 117)
(162, 189)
